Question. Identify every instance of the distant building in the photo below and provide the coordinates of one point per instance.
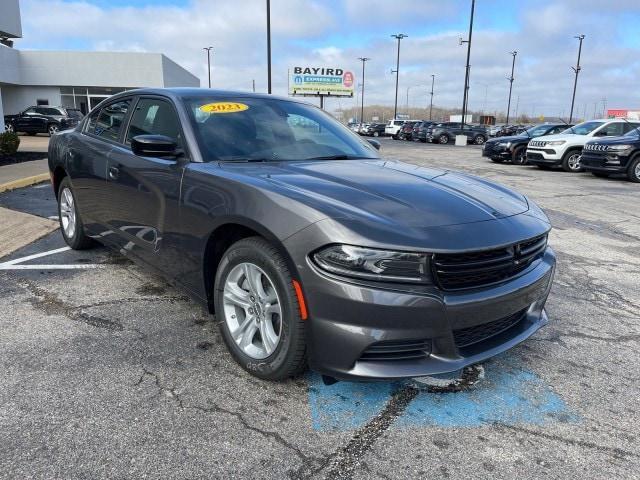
(74, 79)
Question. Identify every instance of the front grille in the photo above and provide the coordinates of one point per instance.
(592, 147)
(537, 143)
(455, 271)
(397, 350)
(468, 336)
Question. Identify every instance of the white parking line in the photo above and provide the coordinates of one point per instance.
(18, 263)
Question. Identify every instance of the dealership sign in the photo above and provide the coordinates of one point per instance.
(321, 81)
(624, 113)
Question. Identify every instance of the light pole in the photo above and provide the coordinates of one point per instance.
(363, 60)
(399, 37)
(268, 46)
(466, 73)
(576, 69)
(513, 66)
(208, 49)
(433, 79)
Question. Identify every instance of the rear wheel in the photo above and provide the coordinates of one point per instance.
(519, 156)
(52, 129)
(9, 128)
(258, 312)
(443, 139)
(633, 173)
(376, 134)
(69, 218)
(571, 161)
(479, 139)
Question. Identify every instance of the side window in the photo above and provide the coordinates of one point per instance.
(611, 130)
(630, 126)
(108, 121)
(555, 130)
(155, 117)
(30, 111)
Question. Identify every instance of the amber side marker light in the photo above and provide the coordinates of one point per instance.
(301, 302)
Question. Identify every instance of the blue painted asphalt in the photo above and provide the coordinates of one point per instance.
(508, 394)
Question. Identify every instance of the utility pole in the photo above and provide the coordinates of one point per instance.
(604, 107)
(253, 82)
(208, 49)
(576, 69)
(513, 66)
(399, 37)
(269, 47)
(466, 74)
(363, 60)
(433, 79)
(517, 104)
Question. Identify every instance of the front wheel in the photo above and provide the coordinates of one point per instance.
(443, 139)
(258, 311)
(52, 129)
(376, 134)
(9, 128)
(633, 173)
(69, 218)
(479, 139)
(519, 156)
(571, 161)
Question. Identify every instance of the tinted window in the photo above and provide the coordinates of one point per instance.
(627, 127)
(611, 130)
(48, 111)
(154, 117)
(270, 129)
(30, 110)
(107, 122)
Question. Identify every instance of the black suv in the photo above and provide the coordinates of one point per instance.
(374, 130)
(446, 131)
(606, 156)
(43, 119)
(514, 148)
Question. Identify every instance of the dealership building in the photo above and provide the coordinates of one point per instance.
(73, 79)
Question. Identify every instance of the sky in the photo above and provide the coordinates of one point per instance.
(335, 33)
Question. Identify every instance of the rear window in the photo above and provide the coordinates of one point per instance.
(107, 122)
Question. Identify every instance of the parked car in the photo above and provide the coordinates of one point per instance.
(607, 156)
(375, 129)
(406, 131)
(493, 130)
(393, 128)
(446, 131)
(308, 246)
(514, 148)
(420, 130)
(564, 149)
(42, 119)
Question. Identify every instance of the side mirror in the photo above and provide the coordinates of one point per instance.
(374, 143)
(154, 146)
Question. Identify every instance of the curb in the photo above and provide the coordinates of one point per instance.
(24, 182)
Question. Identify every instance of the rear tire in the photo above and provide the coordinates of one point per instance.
(519, 156)
(69, 218)
(443, 139)
(571, 161)
(479, 139)
(376, 134)
(633, 172)
(254, 296)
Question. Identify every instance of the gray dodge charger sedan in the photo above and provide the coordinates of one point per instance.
(309, 248)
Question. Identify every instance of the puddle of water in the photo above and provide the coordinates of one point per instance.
(507, 394)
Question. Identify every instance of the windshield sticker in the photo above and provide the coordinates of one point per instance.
(224, 107)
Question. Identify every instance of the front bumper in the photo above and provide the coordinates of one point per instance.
(543, 156)
(610, 163)
(496, 152)
(347, 318)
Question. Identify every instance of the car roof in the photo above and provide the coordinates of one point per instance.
(182, 92)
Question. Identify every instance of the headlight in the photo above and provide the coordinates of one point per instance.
(504, 144)
(618, 148)
(373, 264)
(557, 142)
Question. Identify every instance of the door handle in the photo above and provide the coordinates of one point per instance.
(113, 173)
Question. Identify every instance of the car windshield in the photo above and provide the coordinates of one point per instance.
(584, 128)
(537, 131)
(268, 129)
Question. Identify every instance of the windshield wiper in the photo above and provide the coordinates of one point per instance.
(335, 157)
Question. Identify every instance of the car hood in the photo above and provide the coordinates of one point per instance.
(510, 138)
(386, 191)
(569, 137)
(619, 140)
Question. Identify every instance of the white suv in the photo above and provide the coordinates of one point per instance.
(393, 127)
(565, 148)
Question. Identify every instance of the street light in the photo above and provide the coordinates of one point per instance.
(433, 79)
(513, 66)
(466, 74)
(268, 46)
(363, 60)
(399, 37)
(576, 69)
(208, 49)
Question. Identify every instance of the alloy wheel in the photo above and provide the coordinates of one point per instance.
(68, 213)
(9, 127)
(443, 139)
(574, 162)
(252, 310)
(53, 129)
(637, 171)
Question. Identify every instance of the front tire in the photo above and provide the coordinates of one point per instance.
(633, 172)
(571, 161)
(258, 311)
(52, 129)
(443, 139)
(519, 156)
(479, 139)
(9, 128)
(376, 134)
(71, 224)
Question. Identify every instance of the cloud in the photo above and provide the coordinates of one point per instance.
(338, 32)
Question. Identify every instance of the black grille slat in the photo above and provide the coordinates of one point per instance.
(478, 333)
(397, 350)
(458, 271)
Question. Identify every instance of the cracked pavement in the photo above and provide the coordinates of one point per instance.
(112, 373)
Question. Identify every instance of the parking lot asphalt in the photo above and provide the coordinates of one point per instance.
(108, 372)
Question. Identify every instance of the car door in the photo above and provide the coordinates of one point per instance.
(144, 192)
(25, 120)
(614, 129)
(88, 152)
